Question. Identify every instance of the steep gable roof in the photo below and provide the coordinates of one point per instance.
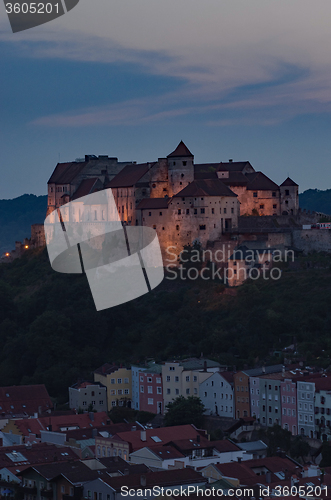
(64, 173)
(258, 181)
(206, 187)
(289, 182)
(130, 175)
(234, 166)
(181, 150)
(85, 187)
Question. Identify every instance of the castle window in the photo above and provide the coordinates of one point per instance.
(274, 206)
(154, 226)
(95, 215)
(235, 271)
(232, 210)
(195, 210)
(174, 163)
(122, 209)
(160, 213)
(286, 202)
(201, 199)
(274, 194)
(179, 211)
(255, 194)
(164, 189)
(261, 206)
(183, 199)
(182, 175)
(187, 211)
(212, 210)
(163, 229)
(202, 227)
(184, 164)
(180, 183)
(149, 213)
(154, 185)
(225, 210)
(202, 210)
(287, 192)
(131, 206)
(177, 228)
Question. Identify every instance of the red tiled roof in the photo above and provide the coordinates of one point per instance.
(224, 446)
(24, 399)
(35, 425)
(205, 187)
(165, 434)
(64, 173)
(260, 182)
(42, 453)
(228, 376)
(289, 182)
(153, 203)
(130, 175)
(85, 188)
(181, 150)
(159, 478)
(166, 452)
(235, 179)
(323, 384)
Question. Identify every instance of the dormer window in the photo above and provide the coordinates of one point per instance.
(184, 164)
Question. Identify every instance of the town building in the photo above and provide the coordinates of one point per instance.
(118, 382)
(323, 408)
(183, 378)
(216, 393)
(91, 396)
(147, 388)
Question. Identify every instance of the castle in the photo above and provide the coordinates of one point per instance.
(183, 201)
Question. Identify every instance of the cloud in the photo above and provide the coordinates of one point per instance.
(256, 57)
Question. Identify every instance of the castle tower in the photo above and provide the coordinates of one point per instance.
(180, 169)
(289, 197)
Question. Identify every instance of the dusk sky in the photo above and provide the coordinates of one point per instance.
(242, 79)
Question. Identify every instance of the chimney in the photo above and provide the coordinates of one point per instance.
(91, 415)
(94, 433)
(230, 160)
(143, 435)
(263, 369)
(205, 366)
(143, 480)
(283, 370)
(239, 459)
(134, 428)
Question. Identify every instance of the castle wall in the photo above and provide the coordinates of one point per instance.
(310, 240)
(265, 198)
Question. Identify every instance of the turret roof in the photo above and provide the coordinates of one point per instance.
(289, 182)
(181, 150)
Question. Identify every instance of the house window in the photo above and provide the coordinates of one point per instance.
(224, 210)
(168, 378)
(150, 401)
(149, 379)
(274, 206)
(195, 211)
(160, 213)
(187, 378)
(187, 211)
(159, 390)
(261, 207)
(112, 381)
(202, 210)
(101, 402)
(274, 194)
(119, 380)
(84, 403)
(232, 210)
(126, 391)
(202, 227)
(177, 228)
(176, 379)
(141, 388)
(195, 378)
(126, 380)
(113, 403)
(187, 391)
(150, 389)
(255, 194)
(179, 211)
(212, 210)
(158, 381)
(168, 391)
(177, 391)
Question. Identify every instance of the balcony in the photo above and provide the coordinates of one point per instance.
(29, 490)
(48, 493)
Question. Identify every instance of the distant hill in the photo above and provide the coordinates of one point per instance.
(316, 200)
(16, 217)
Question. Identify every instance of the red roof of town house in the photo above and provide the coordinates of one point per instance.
(224, 445)
(25, 399)
(20, 457)
(60, 423)
(160, 478)
(181, 150)
(162, 435)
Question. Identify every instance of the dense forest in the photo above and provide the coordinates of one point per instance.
(316, 200)
(50, 331)
(16, 217)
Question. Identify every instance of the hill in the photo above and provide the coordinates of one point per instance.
(16, 217)
(51, 333)
(316, 200)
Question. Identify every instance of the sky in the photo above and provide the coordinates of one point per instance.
(241, 79)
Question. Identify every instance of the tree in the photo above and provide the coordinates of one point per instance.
(299, 448)
(185, 411)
